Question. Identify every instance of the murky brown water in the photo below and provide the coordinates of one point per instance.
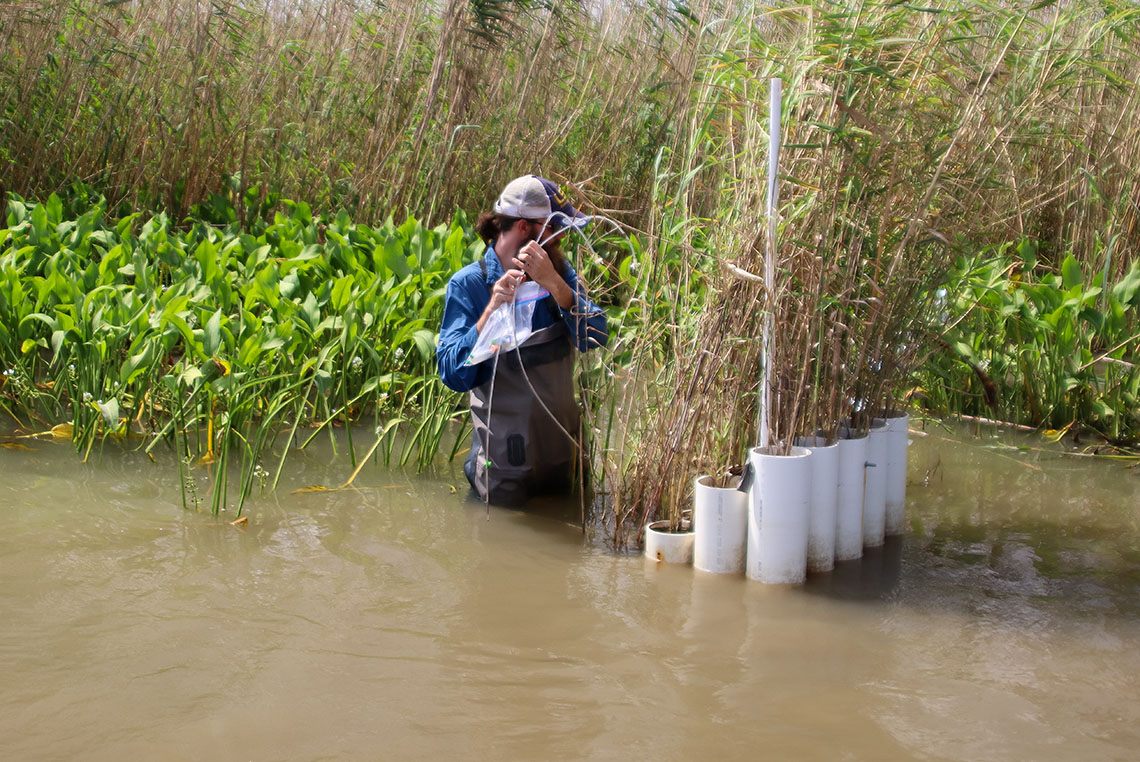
(398, 622)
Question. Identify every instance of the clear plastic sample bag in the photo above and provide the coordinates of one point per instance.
(509, 325)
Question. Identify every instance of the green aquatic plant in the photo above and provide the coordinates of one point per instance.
(229, 348)
(216, 341)
(1026, 343)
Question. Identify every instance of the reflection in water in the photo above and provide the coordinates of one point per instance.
(398, 620)
(874, 576)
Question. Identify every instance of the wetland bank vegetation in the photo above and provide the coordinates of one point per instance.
(227, 222)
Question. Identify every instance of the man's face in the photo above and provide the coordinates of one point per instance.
(541, 231)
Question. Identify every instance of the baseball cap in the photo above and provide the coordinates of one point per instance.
(531, 197)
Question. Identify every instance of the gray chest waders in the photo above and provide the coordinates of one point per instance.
(528, 453)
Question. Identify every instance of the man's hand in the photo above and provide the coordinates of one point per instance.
(503, 292)
(533, 260)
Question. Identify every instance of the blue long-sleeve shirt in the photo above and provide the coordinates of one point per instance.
(469, 293)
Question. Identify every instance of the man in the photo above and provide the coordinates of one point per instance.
(522, 402)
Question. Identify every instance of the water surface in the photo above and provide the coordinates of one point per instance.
(400, 621)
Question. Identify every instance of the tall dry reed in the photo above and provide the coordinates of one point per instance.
(366, 106)
(909, 137)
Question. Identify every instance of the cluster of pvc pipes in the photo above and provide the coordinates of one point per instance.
(803, 511)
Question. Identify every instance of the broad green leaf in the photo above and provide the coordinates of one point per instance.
(1027, 249)
(40, 223)
(54, 208)
(323, 380)
(425, 342)
(57, 338)
(190, 377)
(250, 350)
(289, 285)
(965, 350)
(1126, 288)
(453, 248)
(310, 311)
(110, 411)
(330, 323)
(312, 251)
(1071, 274)
(137, 364)
(212, 340)
(1102, 409)
(341, 293)
(395, 258)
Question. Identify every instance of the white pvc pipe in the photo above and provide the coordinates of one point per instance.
(898, 430)
(664, 546)
(824, 502)
(849, 513)
(720, 527)
(775, 89)
(875, 490)
(778, 508)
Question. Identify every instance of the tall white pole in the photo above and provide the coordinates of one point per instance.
(774, 101)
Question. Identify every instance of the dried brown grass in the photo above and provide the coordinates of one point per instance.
(908, 137)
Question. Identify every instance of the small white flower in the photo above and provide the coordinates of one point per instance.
(383, 395)
(357, 363)
(399, 352)
(9, 372)
(633, 266)
(71, 367)
(86, 396)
